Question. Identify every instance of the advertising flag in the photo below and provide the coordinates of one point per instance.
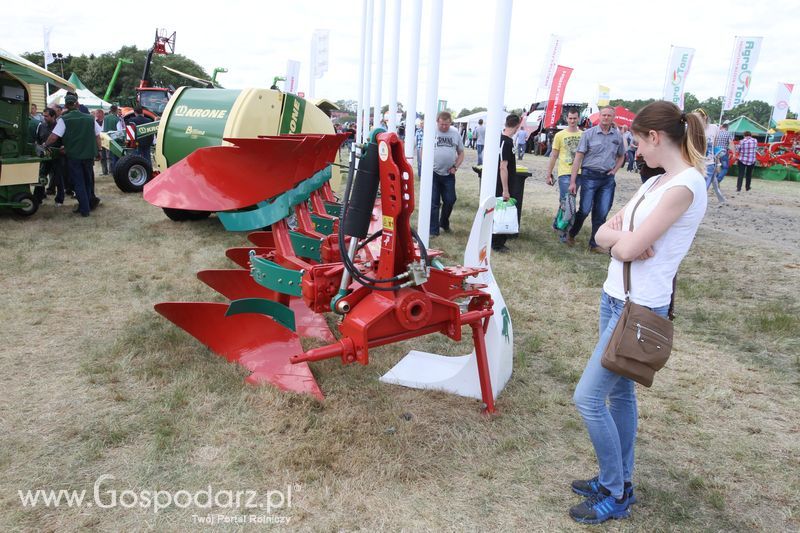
(740, 72)
(782, 101)
(550, 62)
(680, 60)
(292, 76)
(603, 95)
(319, 45)
(48, 56)
(554, 103)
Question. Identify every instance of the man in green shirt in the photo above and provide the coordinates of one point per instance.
(111, 123)
(81, 137)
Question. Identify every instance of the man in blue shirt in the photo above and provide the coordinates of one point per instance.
(599, 156)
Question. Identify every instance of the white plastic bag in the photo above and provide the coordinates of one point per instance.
(505, 217)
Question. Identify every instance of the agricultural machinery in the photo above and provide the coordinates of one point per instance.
(785, 152)
(21, 84)
(310, 256)
(153, 99)
(196, 118)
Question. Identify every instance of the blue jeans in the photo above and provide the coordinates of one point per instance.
(725, 165)
(612, 428)
(563, 190)
(597, 196)
(419, 161)
(710, 173)
(630, 156)
(479, 147)
(444, 189)
(80, 171)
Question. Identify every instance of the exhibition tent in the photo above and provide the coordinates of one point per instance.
(85, 96)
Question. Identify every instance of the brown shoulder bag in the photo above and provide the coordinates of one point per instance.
(642, 340)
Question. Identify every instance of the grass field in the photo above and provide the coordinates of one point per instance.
(95, 383)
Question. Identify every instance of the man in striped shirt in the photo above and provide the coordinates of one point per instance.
(747, 160)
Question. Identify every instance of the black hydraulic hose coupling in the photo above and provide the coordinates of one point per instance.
(362, 196)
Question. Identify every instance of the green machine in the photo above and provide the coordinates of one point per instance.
(200, 117)
(22, 83)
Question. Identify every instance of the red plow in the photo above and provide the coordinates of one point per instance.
(371, 270)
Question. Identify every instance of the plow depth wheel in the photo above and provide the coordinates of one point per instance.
(132, 172)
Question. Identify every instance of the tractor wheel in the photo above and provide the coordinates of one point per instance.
(132, 172)
(181, 215)
(29, 204)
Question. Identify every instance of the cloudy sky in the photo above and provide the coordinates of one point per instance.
(623, 45)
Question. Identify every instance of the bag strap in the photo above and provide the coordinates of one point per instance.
(626, 268)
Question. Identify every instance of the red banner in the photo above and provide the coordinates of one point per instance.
(556, 99)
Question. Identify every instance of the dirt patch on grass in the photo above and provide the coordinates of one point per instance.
(96, 383)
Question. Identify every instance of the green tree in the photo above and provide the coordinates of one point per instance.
(690, 102)
(633, 105)
(347, 105)
(756, 110)
(96, 72)
(400, 108)
(464, 112)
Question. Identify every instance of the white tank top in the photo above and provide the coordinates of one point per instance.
(651, 279)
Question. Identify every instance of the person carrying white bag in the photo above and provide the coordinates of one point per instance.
(507, 188)
(505, 218)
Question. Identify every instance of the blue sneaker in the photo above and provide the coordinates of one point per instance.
(591, 487)
(599, 508)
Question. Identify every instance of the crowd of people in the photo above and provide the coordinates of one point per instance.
(70, 135)
(583, 160)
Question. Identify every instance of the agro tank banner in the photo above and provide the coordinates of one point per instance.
(556, 99)
(680, 60)
(782, 101)
(550, 62)
(740, 72)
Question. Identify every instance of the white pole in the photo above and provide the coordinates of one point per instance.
(360, 108)
(497, 88)
(311, 65)
(381, 36)
(368, 72)
(666, 74)
(394, 65)
(413, 74)
(431, 101)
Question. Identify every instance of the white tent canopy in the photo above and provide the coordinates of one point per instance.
(472, 120)
(85, 96)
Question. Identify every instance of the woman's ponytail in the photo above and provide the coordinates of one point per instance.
(693, 146)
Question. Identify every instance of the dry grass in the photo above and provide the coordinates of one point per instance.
(96, 383)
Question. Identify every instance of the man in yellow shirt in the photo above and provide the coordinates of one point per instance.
(565, 143)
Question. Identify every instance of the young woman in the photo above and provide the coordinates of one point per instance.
(665, 225)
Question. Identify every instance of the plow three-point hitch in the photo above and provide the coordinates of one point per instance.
(311, 255)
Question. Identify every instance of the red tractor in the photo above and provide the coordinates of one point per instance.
(153, 99)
